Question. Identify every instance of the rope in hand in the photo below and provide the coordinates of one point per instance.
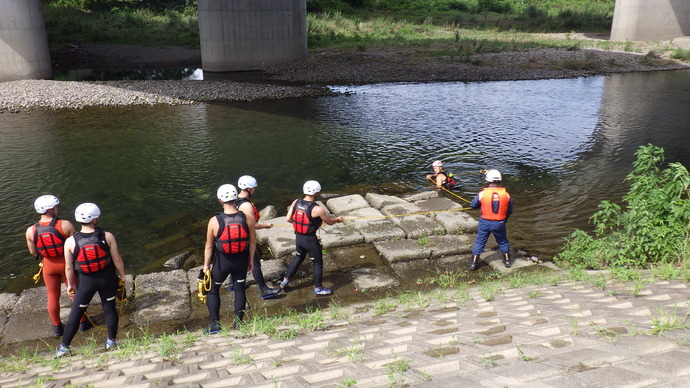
(37, 277)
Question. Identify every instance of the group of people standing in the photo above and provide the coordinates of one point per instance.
(89, 262)
(231, 240)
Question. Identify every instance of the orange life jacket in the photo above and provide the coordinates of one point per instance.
(487, 198)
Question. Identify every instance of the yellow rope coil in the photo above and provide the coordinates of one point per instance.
(37, 277)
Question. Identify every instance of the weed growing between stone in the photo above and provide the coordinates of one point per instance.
(667, 321)
(354, 352)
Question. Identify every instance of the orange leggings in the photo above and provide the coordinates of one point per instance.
(54, 276)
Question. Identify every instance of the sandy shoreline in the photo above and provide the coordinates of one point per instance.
(302, 78)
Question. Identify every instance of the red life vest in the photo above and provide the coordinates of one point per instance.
(49, 240)
(92, 252)
(488, 197)
(450, 182)
(233, 233)
(240, 201)
(302, 221)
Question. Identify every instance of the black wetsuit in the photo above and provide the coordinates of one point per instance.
(308, 244)
(257, 273)
(229, 264)
(104, 282)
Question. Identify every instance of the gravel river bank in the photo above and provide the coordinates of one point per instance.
(306, 77)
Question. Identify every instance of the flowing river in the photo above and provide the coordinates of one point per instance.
(562, 146)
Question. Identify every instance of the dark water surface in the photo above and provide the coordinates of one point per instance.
(562, 145)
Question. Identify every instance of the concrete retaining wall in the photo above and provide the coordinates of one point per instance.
(241, 35)
(24, 50)
(650, 19)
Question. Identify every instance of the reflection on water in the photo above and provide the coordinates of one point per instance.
(129, 75)
(563, 145)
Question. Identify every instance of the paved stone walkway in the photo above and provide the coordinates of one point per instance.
(571, 334)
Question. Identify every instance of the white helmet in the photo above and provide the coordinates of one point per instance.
(227, 193)
(45, 202)
(437, 163)
(86, 212)
(311, 187)
(493, 176)
(246, 182)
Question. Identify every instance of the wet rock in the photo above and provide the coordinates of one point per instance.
(421, 196)
(378, 201)
(372, 224)
(161, 296)
(450, 245)
(438, 204)
(32, 299)
(177, 261)
(371, 278)
(402, 250)
(495, 260)
(339, 235)
(347, 204)
(267, 213)
(456, 222)
(280, 238)
(7, 302)
(414, 225)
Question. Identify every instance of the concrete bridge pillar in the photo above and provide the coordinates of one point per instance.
(650, 19)
(241, 35)
(24, 50)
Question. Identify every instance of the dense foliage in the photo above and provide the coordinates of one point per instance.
(653, 228)
(174, 22)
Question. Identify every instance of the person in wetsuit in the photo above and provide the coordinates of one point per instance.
(442, 178)
(92, 258)
(306, 217)
(46, 240)
(247, 185)
(230, 237)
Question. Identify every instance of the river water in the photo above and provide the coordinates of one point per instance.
(562, 146)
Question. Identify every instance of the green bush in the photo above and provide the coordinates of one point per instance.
(653, 228)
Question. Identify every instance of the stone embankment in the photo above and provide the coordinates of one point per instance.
(565, 334)
(384, 241)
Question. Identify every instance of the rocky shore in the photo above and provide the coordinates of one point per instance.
(305, 77)
(385, 242)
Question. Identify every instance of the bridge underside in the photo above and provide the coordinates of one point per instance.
(650, 19)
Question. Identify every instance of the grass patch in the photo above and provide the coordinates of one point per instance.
(669, 321)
